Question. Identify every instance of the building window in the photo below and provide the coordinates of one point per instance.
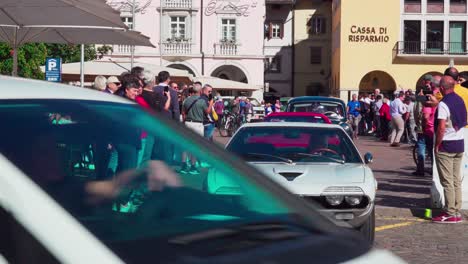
(228, 30)
(316, 25)
(128, 21)
(273, 65)
(458, 6)
(178, 27)
(412, 6)
(457, 37)
(435, 36)
(274, 30)
(435, 6)
(315, 55)
(412, 37)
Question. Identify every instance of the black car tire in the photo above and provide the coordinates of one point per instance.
(368, 228)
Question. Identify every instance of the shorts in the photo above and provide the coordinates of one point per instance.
(196, 127)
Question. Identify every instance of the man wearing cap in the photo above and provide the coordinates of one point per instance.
(113, 84)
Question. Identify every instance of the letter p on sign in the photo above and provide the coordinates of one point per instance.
(52, 64)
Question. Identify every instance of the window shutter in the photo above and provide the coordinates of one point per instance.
(281, 30)
(323, 26)
(270, 30)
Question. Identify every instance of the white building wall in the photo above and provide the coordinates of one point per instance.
(249, 22)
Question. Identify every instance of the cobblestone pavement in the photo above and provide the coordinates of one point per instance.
(401, 202)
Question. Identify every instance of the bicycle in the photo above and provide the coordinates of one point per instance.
(229, 125)
(415, 155)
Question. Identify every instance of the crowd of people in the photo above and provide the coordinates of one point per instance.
(433, 118)
(193, 105)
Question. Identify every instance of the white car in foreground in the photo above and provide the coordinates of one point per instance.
(64, 200)
(318, 162)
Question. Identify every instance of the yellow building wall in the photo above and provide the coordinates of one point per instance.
(370, 30)
(306, 73)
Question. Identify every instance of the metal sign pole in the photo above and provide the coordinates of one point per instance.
(82, 66)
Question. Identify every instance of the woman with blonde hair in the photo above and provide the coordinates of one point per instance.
(100, 83)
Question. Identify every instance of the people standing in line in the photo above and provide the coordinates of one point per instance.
(397, 110)
(354, 114)
(451, 118)
(113, 85)
(385, 119)
(100, 83)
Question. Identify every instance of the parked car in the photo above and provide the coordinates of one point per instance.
(333, 108)
(318, 162)
(284, 103)
(70, 191)
(297, 117)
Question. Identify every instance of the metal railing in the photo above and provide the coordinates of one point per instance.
(226, 48)
(176, 48)
(179, 4)
(430, 48)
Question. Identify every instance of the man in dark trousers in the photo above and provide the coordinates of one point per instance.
(163, 80)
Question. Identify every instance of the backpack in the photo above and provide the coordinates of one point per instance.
(219, 107)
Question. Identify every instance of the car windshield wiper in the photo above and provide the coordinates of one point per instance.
(341, 161)
(270, 156)
(264, 231)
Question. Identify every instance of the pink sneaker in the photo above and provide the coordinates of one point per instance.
(459, 218)
(445, 218)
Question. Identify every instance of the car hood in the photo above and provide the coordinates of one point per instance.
(308, 178)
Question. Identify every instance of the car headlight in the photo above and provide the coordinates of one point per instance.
(353, 200)
(334, 200)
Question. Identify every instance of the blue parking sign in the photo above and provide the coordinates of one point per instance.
(53, 69)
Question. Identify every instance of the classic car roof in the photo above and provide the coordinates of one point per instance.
(305, 114)
(315, 98)
(292, 124)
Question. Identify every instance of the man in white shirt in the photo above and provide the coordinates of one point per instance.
(397, 110)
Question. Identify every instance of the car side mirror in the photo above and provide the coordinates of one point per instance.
(368, 158)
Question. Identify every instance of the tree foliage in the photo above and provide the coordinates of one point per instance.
(30, 58)
(33, 55)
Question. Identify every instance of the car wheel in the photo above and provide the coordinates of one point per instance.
(368, 228)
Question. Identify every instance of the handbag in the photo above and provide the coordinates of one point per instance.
(214, 114)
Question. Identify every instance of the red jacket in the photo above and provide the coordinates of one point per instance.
(385, 112)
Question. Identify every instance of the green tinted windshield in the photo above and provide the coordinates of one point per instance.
(127, 176)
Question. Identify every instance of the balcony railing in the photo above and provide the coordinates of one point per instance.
(430, 48)
(177, 48)
(226, 48)
(122, 49)
(177, 4)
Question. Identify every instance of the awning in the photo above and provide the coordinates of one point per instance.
(222, 84)
(71, 71)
